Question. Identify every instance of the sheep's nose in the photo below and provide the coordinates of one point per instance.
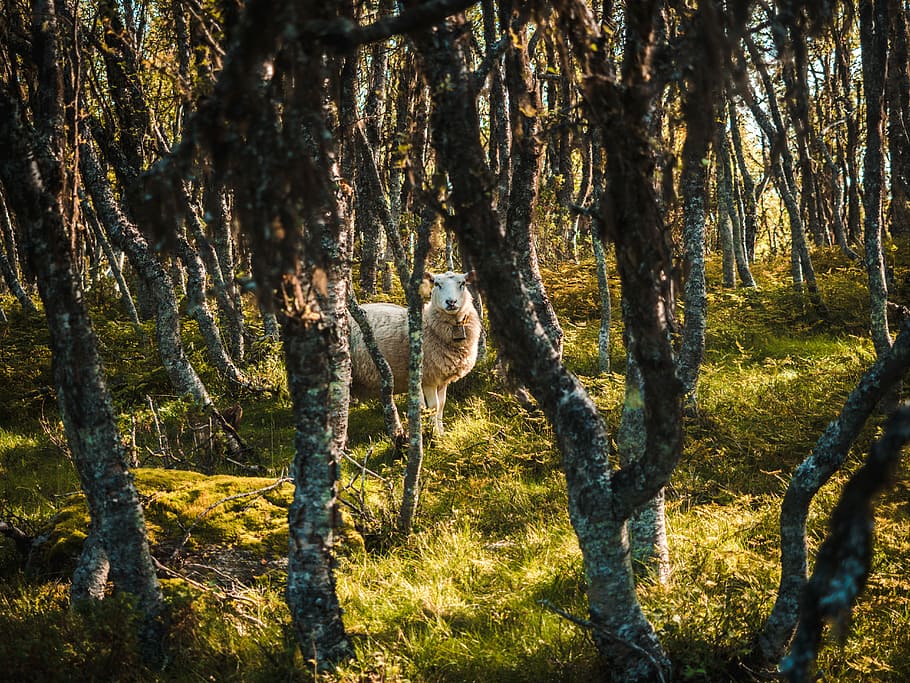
(451, 303)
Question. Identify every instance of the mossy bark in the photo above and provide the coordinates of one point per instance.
(82, 395)
(827, 457)
(873, 21)
(311, 594)
(8, 261)
(599, 503)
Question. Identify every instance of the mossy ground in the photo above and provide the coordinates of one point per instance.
(464, 597)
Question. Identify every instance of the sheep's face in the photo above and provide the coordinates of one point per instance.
(450, 293)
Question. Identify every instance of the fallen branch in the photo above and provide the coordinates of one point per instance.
(210, 591)
(22, 540)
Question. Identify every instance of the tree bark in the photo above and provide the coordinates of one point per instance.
(127, 238)
(826, 458)
(897, 88)
(844, 560)
(393, 426)
(525, 160)
(219, 255)
(598, 503)
(82, 395)
(411, 493)
(782, 168)
(8, 262)
(873, 31)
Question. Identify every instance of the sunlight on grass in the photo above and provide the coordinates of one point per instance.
(466, 597)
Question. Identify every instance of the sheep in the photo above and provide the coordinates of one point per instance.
(451, 330)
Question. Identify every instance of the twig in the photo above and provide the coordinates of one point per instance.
(363, 467)
(22, 540)
(587, 624)
(578, 621)
(206, 589)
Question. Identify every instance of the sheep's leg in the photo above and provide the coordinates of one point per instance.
(431, 394)
(441, 401)
(429, 398)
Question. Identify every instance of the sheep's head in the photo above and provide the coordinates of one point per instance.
(449, 291)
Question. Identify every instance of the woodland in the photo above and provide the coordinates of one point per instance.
(678, 457)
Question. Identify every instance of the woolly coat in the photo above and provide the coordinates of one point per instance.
(449, 346)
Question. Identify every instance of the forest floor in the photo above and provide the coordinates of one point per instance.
(469, 596)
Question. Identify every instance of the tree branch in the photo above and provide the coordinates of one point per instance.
(342, 35)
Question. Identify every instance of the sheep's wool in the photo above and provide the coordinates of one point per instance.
(451, 330)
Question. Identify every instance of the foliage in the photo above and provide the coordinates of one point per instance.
(469, 595)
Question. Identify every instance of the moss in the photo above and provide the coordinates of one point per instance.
(460, 599)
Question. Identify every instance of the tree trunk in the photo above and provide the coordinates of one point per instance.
(784, 179)
(898, 102)
(113, 263)
(750, 191)
(393, 425)
(8, 262)
(127, 238)
(873, 31)
(82, 395)
(411, 494)
(311, 595)
(725, 196)
(525, 158)
(220, 258)
(598, 504)
(198, 307)
(826, 458)
(844, 560)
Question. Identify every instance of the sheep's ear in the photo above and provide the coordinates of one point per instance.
(470, 277)
(426, 287)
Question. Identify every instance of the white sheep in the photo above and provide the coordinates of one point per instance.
(451, 329)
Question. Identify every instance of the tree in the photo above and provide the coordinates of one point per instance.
(297, 219)
(873, 30)
(33, 177)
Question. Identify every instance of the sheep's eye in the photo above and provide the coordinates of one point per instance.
(461, 285)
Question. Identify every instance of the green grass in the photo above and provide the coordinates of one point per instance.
(466, 597)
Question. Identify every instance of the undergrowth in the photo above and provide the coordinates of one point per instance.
(472, 594)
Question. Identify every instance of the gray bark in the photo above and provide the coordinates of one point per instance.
(606, 307)
(725, 224)
(525, 160)
(114, 264)
(34, 190)
(219, 257)
(311, 594)
(647, 525)
(844, 560)
(726, 195)
(873, 21)
(127, 237)
(750, 191)
(599, 503)
(393, 425)
(411, 493)
(784, 179)
(8, 263)
(826, 458)
(603, 285)
(198, 307)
